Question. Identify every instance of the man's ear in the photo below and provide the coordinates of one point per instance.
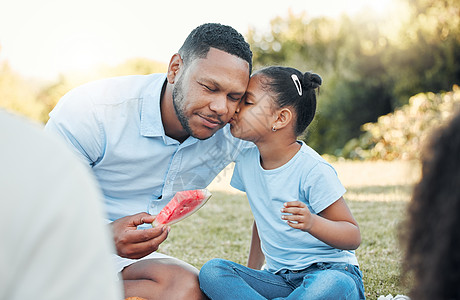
(175, 65)
(284, 118)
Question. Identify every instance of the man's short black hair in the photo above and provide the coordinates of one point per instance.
(215, 35)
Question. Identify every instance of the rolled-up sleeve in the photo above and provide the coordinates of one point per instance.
(75, 118)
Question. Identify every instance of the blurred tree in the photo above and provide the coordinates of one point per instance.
(401, 134)
(50, 95)
(347, 54)
(426, 55)
(135, 66)
(18, 95)
(369, 67)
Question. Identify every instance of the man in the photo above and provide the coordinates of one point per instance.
(147, 137)
(55, 244)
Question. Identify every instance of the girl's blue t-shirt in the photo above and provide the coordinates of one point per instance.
(307, 177)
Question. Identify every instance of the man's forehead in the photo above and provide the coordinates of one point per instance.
(220, 67)
(215, 54)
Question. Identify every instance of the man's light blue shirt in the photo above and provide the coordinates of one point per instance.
(115, 126)
(307, 177)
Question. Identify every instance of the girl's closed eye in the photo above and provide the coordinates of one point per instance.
(247, 99)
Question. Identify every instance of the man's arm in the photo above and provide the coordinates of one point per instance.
(75, 120)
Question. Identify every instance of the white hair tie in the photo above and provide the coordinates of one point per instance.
(297, 83)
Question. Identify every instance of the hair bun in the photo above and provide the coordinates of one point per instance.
(312, 80)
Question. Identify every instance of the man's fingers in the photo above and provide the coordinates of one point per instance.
(139, 236)
(145, 243)
(155, 242)
(143, 235)
(152, 245)
(142, 218)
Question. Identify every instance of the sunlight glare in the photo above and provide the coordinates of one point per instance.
(55, 37)
(79, 52)
(380, 7)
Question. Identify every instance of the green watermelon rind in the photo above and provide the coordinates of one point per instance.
(207, 194)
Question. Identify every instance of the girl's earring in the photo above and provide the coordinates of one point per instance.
(273, 128)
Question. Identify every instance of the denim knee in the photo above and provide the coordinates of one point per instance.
(329, 284)
(212, 271)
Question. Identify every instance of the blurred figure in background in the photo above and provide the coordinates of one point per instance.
(55, 244)
(431, 235)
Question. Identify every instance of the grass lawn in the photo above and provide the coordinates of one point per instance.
(377, 193)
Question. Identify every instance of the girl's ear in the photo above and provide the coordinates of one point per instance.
(175, 65)
(285, 117)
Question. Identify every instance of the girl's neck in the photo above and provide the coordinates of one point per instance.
(275, 154)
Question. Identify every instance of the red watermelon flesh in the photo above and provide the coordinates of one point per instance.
(182, 205)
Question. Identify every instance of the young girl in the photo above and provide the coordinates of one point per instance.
(303, 229)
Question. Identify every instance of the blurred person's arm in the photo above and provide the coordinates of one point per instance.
(55, 244)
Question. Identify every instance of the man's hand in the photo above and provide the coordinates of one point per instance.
(133, 243)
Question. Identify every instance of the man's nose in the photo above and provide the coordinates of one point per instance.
(219, 105)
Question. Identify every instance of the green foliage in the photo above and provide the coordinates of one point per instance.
(50, 95)
(426, 55)
(370, 66)
(400, 135)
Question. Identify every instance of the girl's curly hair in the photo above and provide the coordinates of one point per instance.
(431, 235)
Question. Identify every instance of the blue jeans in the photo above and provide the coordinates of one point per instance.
(223, 279)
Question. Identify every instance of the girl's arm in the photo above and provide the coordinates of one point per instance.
(256, 257)
(334, 226)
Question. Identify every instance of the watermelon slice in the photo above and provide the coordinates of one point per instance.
(182, 205)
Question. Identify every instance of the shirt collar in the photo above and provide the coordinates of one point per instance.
(151, 124)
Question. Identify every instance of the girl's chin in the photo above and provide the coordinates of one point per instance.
(234, 130)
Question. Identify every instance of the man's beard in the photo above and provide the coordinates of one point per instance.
(179, 105)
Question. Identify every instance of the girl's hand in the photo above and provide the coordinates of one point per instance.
(334, 225)
(299, 216)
